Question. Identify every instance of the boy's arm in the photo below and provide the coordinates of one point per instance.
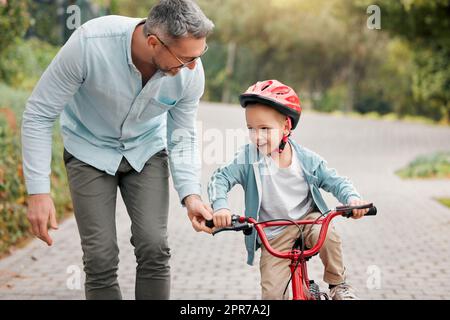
(341, 187)
(221, 182)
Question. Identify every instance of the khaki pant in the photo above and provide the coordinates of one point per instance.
(275, 272)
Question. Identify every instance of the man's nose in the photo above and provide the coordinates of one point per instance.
(192, 65)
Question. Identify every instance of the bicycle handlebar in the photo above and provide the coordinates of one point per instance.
(347, 211)
(246, 224)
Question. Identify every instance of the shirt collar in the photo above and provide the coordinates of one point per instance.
(130, 37)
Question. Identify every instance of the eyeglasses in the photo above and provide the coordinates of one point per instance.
(182, 63)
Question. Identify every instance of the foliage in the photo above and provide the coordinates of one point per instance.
(129, 8)
(430, 166)
(23, 63)
(333, 99)
(423, 25)
(14, 21)
(14, 226)
(321, 48)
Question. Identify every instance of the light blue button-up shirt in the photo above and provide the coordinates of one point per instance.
(107, 114)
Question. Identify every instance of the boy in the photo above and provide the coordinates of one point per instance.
(281, 179)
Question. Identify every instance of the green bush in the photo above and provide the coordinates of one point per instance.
(436, 165)
(14, 226)
(368, 104)
(14, 21)
(22, 64)
(14, 99)
(334, 99)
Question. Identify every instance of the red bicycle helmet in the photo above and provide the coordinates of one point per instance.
(278, 96)
(274, 94)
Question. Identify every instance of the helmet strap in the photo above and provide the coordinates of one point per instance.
(285, 137)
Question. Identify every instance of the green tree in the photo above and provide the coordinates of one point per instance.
(129, 8)
(298, 42)
(424, 25)
(14, 21)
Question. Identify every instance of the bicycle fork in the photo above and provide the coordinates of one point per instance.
(300, 281)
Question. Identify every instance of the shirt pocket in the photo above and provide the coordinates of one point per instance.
(153, 109)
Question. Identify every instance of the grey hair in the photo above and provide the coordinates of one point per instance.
(178, 19)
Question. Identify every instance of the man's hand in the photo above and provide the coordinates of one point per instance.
(358, 213)
(41, 212)
(198, 212)
(222, 218)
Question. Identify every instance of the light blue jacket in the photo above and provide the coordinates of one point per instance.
(107, 114)
(245, 170)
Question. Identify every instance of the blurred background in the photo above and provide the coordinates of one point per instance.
(323, 48)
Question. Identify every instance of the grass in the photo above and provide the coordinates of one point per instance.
(391, 117)
(444, 201)
(436, 165)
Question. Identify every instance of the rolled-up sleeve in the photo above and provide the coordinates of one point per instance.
(56, 87)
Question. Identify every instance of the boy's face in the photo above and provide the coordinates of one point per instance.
(266, 127)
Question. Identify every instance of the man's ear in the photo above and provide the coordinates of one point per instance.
(152, 41)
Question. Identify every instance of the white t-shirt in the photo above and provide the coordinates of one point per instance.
(285, 193)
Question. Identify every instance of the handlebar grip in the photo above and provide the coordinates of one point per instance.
(372, 212)
(209, 223)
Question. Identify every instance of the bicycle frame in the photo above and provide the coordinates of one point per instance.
(300, 281)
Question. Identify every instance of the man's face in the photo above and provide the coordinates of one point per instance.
(171, 55)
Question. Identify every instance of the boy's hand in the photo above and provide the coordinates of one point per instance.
(222, 218)
(358, 213)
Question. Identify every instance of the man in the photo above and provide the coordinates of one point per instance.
(125, 88)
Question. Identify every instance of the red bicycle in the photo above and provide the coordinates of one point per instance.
(302, 287)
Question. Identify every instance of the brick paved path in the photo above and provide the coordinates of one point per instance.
(404, 253)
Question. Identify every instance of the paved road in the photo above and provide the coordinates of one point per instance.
(403, 253)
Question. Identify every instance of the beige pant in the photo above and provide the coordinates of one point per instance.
(275, 272)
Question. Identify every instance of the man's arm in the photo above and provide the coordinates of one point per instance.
(57, 85)
(184, 156)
